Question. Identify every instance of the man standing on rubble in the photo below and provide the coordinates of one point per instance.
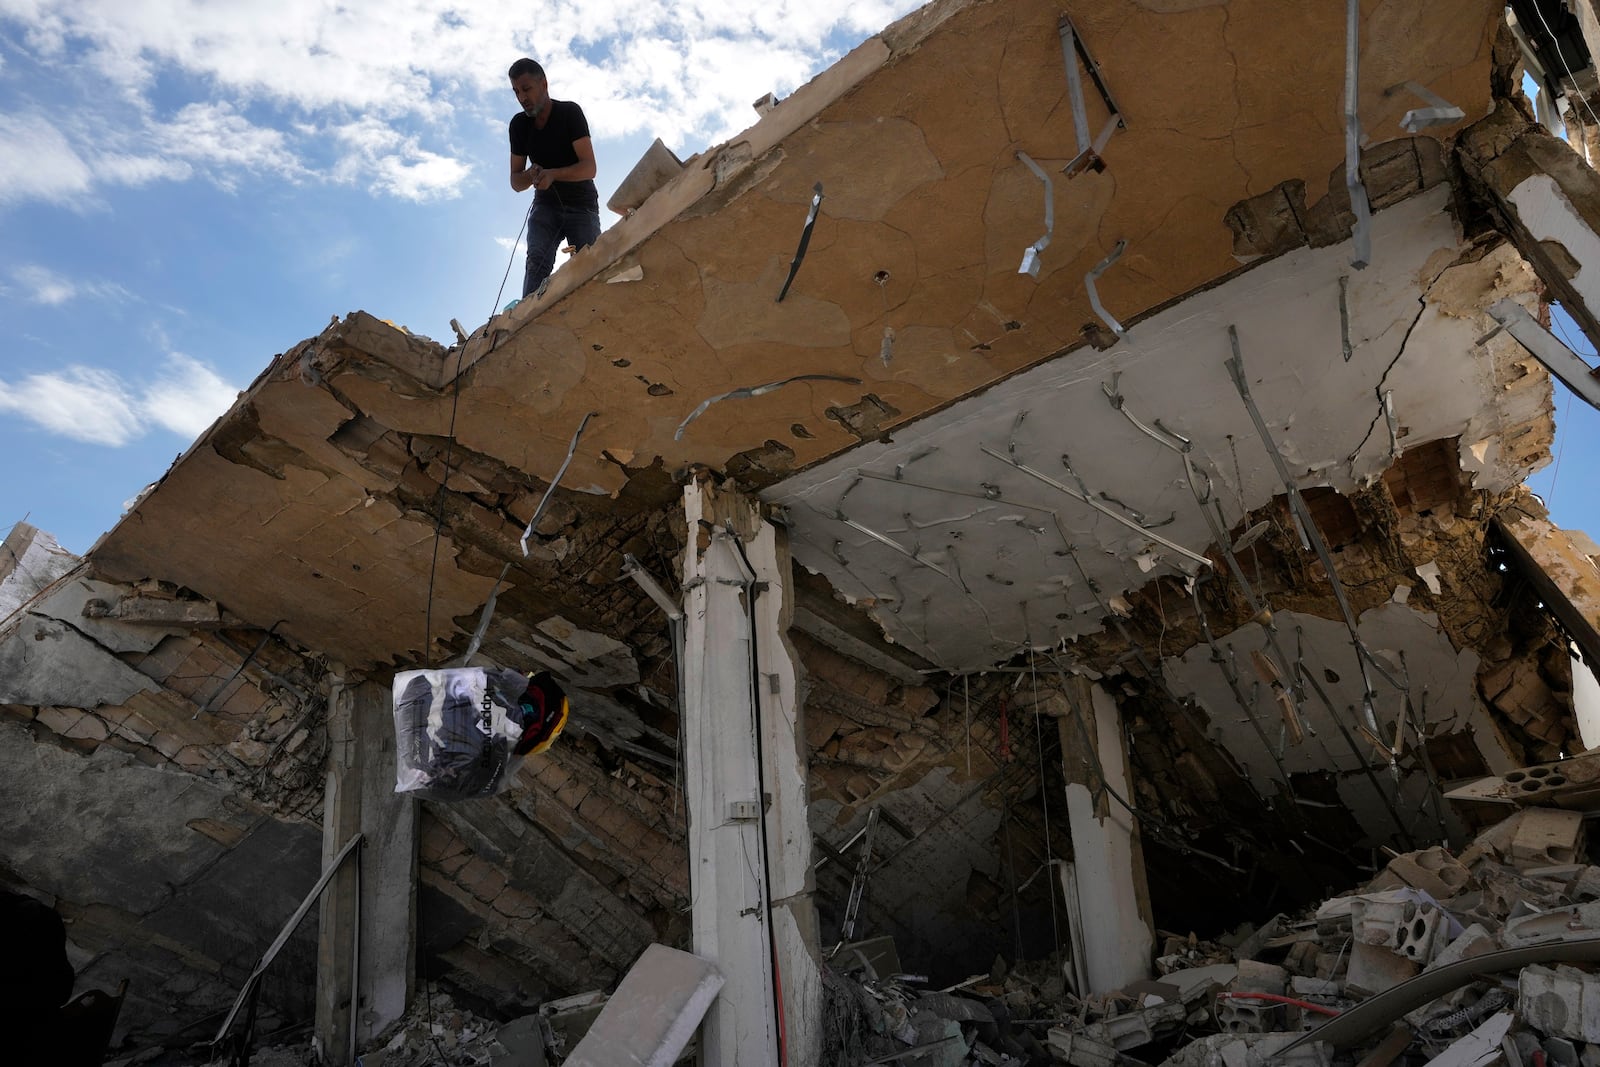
(552, 154)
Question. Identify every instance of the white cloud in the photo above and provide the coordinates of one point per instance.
(83, 403)
(41, 285)
(96, 406)
(187, 397)
(217, 136)
(38, 163)
(410, 69)
(142, 170)
(396, 164)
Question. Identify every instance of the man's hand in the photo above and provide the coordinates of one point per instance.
(522, 174)
(542, 179)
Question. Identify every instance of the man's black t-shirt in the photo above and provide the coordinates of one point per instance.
(551, 147)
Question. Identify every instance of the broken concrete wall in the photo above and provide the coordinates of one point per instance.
(170, 880)
(965, 828)
(553, 889)
(30, 560)
(161, 799)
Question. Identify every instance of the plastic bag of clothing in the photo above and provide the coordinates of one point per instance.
(461, 732)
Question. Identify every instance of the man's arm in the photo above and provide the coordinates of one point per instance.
(523, 177)
(577, 172)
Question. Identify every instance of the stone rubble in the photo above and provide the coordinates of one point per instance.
(1243, 1001)
(1522, 883)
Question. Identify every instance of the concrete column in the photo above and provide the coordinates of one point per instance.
(781, 698)
(1113, 897)
(359, 798)
(745, 770)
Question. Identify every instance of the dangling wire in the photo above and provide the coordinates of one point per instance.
(449, 454)
(966, 699)
(438, 529)
(1044, 794)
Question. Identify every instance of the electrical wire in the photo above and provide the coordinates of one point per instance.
(752, 589)
(1044, 794)
(449, 454)
(1568, 69)
(433, 563)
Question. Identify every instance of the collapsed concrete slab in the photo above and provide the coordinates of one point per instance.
(653, 1014)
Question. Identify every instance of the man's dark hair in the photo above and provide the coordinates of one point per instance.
(525, 66)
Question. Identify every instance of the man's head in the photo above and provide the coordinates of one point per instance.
(528, 82)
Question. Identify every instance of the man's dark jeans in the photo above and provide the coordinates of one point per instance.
(548, 223)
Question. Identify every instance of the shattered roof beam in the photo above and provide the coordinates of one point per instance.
(1547, 200)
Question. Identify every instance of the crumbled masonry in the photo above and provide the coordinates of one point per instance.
(1522, 883)
(1259, 996)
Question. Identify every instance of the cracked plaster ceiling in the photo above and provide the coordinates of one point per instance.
(966, 558)
(928, 208)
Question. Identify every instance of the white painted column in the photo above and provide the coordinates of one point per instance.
(1585, 700)
(1113, 899)
(794, 911)
(359, 798)
(738, 839)
(388, 871)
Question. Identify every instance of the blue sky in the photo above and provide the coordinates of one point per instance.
(190, 186)
(1568, 484)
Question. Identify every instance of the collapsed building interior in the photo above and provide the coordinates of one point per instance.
(1163, 583)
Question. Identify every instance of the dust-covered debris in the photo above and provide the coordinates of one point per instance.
(1442, 958)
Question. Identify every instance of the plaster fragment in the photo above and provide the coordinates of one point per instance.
(1429, 573)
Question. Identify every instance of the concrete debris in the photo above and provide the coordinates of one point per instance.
(436, 1032)
(654, 1012)
(1522, 885)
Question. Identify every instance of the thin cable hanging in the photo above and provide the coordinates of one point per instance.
(1044, 794)
(449, 453)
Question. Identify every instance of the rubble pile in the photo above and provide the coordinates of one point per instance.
(438, 1033)
(1444, 960)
